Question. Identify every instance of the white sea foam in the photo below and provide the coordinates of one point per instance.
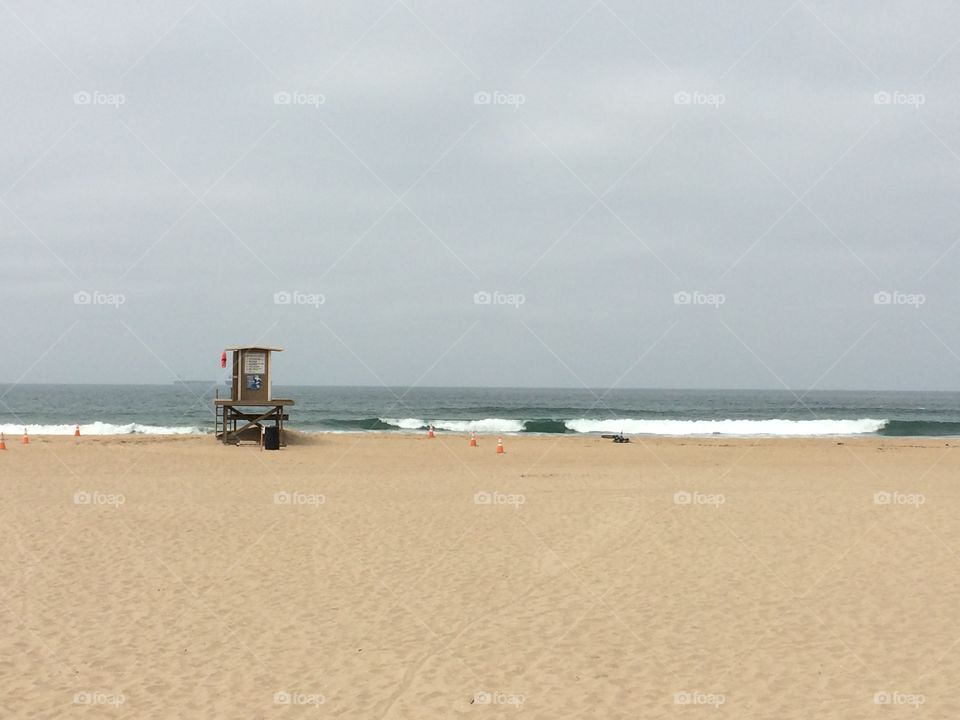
(806, 428)
(487, 425)
(798, 428)
(100, 428)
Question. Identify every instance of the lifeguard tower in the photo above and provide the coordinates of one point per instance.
(251, 404)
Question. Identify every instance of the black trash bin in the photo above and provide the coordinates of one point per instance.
(271, 438)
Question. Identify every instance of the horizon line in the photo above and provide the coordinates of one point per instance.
(218, 383)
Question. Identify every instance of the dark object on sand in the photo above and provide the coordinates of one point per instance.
(618, 438)
(271, 438)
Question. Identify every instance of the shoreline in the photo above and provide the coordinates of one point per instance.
(305, 437)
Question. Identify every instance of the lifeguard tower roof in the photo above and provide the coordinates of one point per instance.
(254, 347)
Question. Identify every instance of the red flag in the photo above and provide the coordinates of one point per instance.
(223, 359)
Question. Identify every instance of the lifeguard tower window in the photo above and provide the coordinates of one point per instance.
(251, 406)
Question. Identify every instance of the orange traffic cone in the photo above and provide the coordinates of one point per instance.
(499, 446)
(473, 440)
(3, 442)
(76, 433)
(26, 438)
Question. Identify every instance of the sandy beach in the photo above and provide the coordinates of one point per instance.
(378, 576)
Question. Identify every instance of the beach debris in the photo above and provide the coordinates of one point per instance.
(26, 438)
(473, 439)
(500, 449)
(618, 438)
(430, 432)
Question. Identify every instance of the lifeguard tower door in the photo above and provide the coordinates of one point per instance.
(251, 376)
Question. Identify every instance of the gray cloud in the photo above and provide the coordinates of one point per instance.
(587, 186)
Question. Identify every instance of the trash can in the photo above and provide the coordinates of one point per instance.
(271, 438)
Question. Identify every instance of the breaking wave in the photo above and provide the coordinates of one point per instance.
(633, 426)
(546, 426)
(101, 428)
(487, 425)
(804, 428)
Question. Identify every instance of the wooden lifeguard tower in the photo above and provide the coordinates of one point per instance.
(251, 404)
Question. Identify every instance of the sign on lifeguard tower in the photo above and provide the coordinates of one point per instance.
(251, 388)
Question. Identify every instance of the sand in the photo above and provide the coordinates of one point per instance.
(362, 576)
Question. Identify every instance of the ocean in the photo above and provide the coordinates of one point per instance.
(187, 408)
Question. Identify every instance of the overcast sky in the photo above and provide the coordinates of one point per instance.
(684, 194)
